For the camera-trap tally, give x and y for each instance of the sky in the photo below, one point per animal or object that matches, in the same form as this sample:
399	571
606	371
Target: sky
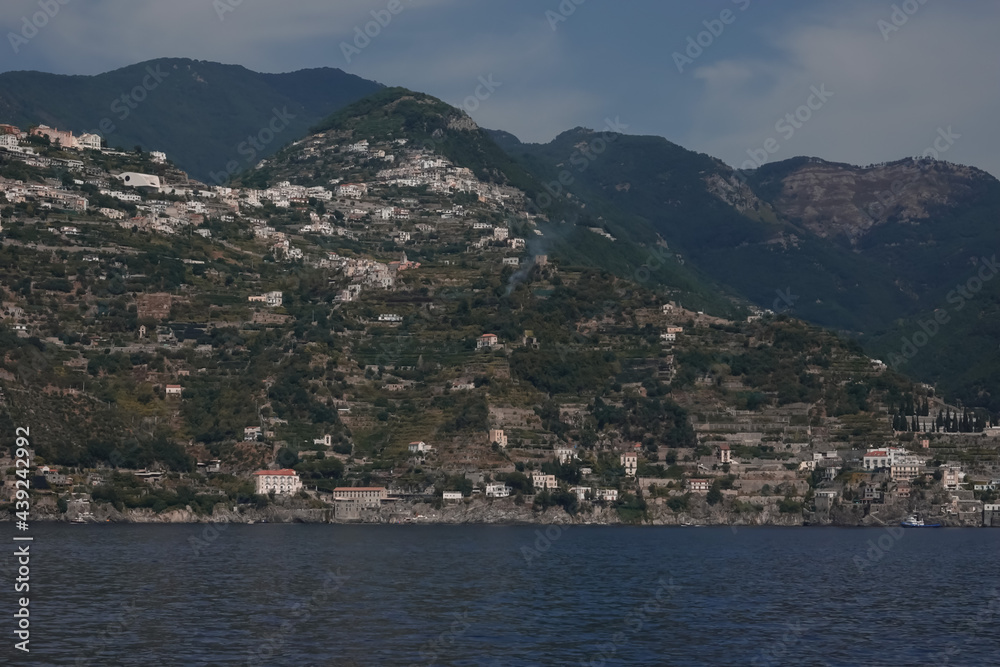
746	81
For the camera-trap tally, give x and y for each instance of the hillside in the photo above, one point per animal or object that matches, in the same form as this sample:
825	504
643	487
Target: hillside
372	307
200	112
865	250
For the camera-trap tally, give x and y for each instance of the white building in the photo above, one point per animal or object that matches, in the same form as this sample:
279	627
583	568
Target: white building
419	447
607	494
451	495
542	481
91	141
282	482
631	462
487	340
137	180
366	496
274	299
499	490
565	454
251	433
878	459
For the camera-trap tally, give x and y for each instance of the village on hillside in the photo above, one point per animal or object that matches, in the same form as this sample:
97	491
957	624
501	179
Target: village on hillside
327	348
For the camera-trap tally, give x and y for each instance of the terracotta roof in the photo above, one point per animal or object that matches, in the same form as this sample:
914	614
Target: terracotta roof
286	471
359	488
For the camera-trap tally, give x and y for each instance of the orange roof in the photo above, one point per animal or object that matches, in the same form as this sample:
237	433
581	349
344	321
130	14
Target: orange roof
878	452
286	471
359	488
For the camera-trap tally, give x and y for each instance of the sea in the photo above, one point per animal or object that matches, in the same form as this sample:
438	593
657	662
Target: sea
308	595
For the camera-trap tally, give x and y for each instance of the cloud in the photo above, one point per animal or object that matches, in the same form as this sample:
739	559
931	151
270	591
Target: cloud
889	96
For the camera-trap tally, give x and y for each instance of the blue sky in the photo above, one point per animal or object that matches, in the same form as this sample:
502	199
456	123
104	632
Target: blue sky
888	91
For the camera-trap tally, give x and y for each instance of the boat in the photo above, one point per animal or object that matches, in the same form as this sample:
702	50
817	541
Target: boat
915	522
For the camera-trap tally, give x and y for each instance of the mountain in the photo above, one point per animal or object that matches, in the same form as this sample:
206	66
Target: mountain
569	230
200	113
866	250
394	278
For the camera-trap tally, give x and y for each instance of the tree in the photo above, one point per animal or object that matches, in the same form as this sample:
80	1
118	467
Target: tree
714	494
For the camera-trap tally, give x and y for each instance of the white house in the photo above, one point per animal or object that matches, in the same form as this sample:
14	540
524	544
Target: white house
565	454
631	462
487	340
498	490
607	494
699	485
877	459
419	447
91	141
274	299
542	481
251	433
282	482
174	390
451	495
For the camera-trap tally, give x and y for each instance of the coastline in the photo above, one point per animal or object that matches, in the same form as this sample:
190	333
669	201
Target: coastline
506	513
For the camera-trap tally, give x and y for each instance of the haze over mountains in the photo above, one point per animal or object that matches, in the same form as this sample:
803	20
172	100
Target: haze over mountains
872	250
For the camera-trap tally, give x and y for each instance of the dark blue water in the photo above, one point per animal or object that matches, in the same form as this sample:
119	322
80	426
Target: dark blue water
468	595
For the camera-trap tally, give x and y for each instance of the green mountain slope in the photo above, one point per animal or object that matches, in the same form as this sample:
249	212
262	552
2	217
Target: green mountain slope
636	252
863	250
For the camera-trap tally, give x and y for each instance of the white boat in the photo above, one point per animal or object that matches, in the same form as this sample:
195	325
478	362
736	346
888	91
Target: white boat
913	521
